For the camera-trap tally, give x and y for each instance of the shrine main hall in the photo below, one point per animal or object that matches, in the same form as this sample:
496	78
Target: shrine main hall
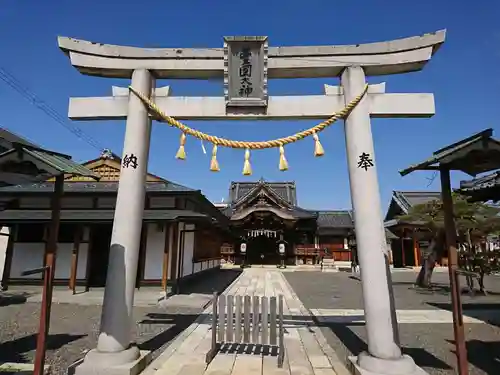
265	214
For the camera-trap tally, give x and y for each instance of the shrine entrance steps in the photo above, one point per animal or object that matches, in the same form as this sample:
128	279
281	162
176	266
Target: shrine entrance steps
306	350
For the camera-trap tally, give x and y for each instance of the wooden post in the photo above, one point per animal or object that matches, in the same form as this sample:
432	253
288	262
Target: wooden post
141	266
89	259
9	255
415	249
403	257
164	276
175	250
48	278
451	243
74	257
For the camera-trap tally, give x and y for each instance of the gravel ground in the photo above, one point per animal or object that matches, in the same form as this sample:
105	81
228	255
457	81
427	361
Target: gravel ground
74	328
431	345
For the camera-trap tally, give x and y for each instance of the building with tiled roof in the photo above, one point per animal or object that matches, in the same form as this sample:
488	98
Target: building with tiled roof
181	236
262	213
484	188
407	250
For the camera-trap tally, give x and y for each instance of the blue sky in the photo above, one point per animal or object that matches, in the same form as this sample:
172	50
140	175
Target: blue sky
463	75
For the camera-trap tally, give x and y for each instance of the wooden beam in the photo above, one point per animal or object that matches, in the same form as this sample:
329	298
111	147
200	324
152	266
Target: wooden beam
164	276
74	257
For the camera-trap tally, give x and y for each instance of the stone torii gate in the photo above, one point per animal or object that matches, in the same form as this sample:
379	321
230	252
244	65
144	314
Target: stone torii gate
352	64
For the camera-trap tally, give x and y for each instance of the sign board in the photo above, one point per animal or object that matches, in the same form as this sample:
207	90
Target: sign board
245	71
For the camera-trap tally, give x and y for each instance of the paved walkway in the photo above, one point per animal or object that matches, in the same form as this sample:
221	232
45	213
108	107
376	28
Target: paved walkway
307	352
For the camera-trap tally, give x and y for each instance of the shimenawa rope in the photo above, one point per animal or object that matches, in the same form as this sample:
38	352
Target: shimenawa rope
275	143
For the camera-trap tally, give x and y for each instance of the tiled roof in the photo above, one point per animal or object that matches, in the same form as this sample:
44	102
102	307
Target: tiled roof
7	139
286	190
408	199
96	187
16	152
402	201
473	155
93	215
335	219
484	189
485	182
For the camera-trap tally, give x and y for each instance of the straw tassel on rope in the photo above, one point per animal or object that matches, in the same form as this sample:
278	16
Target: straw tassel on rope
318	148
214	164
283	162
247	168
181	153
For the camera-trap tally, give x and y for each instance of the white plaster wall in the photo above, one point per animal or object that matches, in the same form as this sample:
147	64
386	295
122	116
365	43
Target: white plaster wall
155	244
27	256
63	260
4	240
187	265
30	255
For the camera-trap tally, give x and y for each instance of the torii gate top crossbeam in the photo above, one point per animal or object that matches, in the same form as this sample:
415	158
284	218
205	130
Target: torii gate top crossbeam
391	57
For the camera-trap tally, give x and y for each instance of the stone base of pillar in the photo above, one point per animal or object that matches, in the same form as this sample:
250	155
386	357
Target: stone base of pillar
129	362
365	364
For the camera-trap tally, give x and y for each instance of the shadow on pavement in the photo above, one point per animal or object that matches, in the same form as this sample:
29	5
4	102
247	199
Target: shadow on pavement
475	310
216	280
178	322
7	299
485	355
354	345
14	350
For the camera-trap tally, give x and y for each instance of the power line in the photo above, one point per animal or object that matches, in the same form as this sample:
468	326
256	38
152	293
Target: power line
41	104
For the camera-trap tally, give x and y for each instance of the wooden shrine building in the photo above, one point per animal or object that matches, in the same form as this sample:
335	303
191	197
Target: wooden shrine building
181	236
263	213
411	243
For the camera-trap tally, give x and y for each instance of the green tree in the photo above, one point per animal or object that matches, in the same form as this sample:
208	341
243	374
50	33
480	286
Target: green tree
474	222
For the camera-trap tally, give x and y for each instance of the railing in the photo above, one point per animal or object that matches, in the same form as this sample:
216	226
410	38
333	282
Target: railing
306	250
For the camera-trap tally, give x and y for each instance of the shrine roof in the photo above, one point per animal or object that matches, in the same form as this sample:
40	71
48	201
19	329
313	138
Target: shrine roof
408	199
92	187
476	154
94	215
285	190
402	201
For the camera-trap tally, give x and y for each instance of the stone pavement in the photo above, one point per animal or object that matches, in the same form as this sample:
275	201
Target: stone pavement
420	316
307	352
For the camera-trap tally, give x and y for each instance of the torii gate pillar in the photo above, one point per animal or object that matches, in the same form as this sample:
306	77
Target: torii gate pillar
384	353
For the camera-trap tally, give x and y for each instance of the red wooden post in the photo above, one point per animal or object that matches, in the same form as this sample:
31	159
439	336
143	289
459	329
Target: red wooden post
48	277
451	243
